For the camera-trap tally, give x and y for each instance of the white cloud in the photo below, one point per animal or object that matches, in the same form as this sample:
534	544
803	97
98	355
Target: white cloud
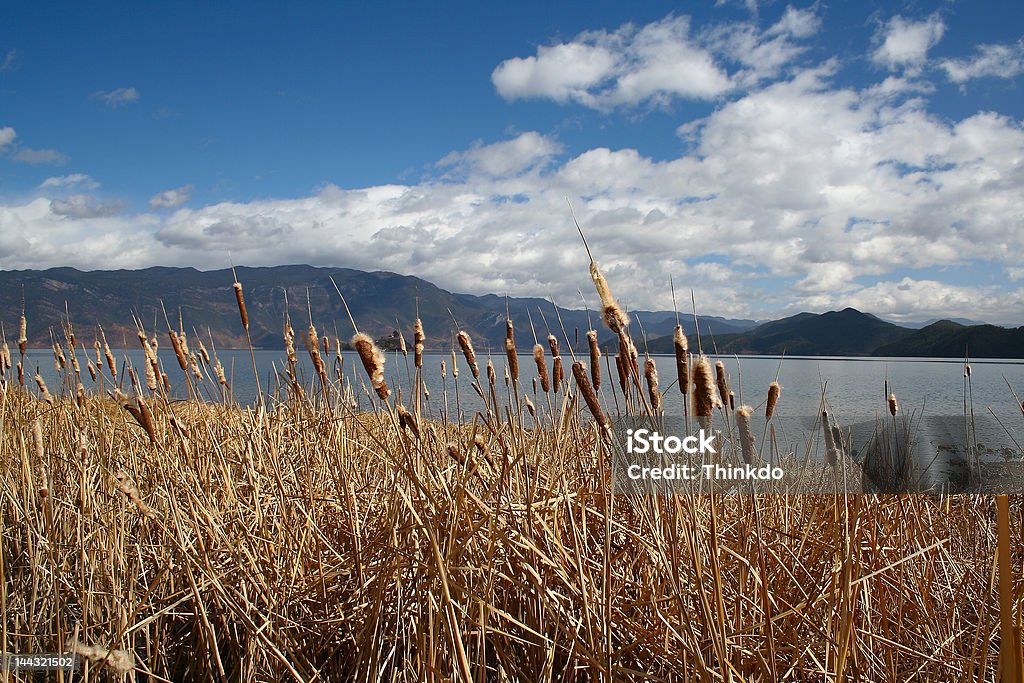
68	181
7	136
798	195
10	61
117	97
655	63
169	199
904	43
997	61
523	153
40	156
83	206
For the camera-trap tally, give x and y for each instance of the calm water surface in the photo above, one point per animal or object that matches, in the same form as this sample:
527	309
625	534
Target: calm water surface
853	386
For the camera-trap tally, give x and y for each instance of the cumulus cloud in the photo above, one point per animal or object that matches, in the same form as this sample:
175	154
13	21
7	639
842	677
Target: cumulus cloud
797	194
27	155
7	136
904	43
117	97
169	199
656	62
996	61
81	206
69	181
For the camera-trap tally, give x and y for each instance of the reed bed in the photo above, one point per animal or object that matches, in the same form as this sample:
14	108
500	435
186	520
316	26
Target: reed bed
304	539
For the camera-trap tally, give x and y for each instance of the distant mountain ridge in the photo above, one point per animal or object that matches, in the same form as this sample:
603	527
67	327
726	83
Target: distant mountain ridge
382	302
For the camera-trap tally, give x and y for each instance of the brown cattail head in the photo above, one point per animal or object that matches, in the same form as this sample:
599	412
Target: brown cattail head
967	369
557	374
150	376
80	395
98	347
720	381
595	359
47	396
373	362
513	358
620	367
529	406
240	298
704	397
466	344
491	376
831	456
894	407
553	344
455	365
91	368
774	391
542	368
327	345
418	338
6	356
406	419
651	374
401	345
444	369
289	343
203	352
59	359
747	449
221	378
179	351
579	373
611	313
22	334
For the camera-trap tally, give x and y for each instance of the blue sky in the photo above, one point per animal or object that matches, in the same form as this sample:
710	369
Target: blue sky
772	157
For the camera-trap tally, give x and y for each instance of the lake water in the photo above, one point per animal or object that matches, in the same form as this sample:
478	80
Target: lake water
853	386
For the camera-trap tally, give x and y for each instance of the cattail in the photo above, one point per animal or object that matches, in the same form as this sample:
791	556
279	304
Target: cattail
142	414
166	381
59	359
183	340
240	298
155	342
510	351
723	387
455	365
444	369
747	451
150	377
579	373
74	361
401	345
37	441
651	374
406	419
967	369
894	407
221	378
6	355
831	456
774	391
203	352
553	344
327	346
80	395
557	374
194	365
179	351
47	396
289	343
99	358
466	344
23	335
732	400
21	374
529	406
542	368
595	359
508	377
120	661
620	367
129	489
491	377
373	362
704	398
417	343
91	368
612	315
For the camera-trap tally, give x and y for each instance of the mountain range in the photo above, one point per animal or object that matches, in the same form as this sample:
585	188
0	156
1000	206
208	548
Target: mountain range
381	302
